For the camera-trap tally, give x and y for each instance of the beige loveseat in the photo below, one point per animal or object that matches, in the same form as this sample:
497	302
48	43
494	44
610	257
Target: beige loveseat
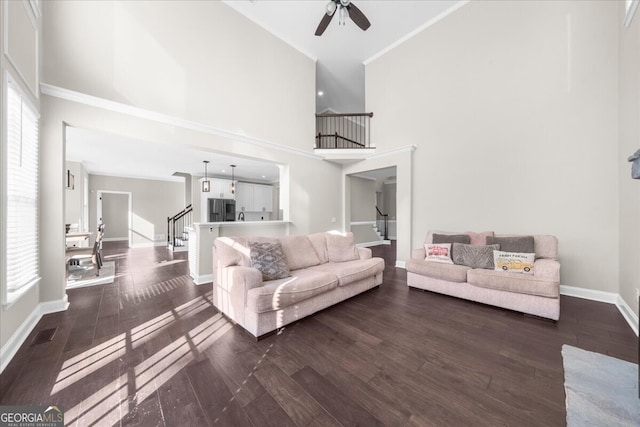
324	269
537	293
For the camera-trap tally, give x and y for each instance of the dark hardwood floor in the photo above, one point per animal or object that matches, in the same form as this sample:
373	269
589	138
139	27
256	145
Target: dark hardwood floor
150	349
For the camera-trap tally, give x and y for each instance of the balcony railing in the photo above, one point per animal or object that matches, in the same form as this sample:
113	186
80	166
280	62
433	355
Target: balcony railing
344	131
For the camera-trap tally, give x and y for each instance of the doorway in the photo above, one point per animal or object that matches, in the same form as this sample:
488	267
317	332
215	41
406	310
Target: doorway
113	208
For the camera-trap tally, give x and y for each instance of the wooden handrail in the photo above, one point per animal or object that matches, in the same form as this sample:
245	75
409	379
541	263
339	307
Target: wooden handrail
344	114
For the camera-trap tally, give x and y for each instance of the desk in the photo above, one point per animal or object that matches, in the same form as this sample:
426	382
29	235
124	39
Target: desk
75	237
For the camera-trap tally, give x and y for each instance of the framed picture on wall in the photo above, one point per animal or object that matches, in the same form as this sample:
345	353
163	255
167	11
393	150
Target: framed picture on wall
71	180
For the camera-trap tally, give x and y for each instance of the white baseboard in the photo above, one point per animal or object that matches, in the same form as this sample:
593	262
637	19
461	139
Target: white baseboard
628	314
401	264
601	296
114	239
202	279
590	294
22	333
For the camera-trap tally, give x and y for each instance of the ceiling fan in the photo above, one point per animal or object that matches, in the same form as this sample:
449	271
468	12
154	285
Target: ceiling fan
344	8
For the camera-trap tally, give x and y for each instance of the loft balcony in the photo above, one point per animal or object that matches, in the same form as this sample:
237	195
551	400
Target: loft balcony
343	138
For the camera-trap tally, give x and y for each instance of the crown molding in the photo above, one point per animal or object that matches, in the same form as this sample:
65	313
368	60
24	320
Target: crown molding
129	110
415	32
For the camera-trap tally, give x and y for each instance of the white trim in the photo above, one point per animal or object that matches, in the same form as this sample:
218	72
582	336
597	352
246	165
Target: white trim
18	338
602	296
401	264
115	239
630	12
418	30
117	107
33	90
590	294
628	314
372	222
202	279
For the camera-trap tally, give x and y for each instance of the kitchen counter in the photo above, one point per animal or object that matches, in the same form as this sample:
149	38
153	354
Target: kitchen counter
202	235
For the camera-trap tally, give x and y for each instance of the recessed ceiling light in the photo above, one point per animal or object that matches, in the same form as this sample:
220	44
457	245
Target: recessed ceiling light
264	176
320	93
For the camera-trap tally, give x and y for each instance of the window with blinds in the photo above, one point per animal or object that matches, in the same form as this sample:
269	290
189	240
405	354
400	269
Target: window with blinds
21	168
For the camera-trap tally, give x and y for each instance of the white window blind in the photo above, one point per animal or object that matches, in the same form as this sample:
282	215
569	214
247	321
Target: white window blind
21	224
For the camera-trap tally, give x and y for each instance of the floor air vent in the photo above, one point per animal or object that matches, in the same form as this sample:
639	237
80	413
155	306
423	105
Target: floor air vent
44	336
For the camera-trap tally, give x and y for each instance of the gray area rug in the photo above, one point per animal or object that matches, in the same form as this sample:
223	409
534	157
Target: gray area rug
84	275
601	390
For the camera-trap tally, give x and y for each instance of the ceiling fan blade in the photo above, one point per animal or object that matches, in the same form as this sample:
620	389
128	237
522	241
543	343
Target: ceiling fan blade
324	23
358	17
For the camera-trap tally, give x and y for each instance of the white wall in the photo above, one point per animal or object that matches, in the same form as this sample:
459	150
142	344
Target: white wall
197	60
115	213
151	203
513	109
363	199
629	190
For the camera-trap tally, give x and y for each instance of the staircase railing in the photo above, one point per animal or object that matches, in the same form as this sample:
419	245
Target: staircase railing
177	227
385	221
343	130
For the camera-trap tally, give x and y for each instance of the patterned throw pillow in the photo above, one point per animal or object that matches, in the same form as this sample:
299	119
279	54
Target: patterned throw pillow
474	256
269	259
514	261
439	253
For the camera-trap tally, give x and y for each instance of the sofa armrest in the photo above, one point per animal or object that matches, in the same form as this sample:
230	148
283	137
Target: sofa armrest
364	253
420	253
231	289
547	269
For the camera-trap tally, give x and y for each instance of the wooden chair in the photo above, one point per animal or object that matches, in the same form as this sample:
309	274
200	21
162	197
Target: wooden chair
76	255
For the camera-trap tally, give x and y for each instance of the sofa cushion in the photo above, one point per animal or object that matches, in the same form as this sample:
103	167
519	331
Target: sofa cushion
301	285
341	248
436	270
298	252
513	282
546	246
349	272
438	252
478	238
514	262
522	244
319	243
450	238
269	260
474	256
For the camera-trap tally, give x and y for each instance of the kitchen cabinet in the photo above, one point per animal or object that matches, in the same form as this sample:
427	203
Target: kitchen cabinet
254	197
221	189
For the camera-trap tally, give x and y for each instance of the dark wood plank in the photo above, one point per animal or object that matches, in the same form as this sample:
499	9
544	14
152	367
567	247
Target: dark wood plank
341	407
150	349
215	398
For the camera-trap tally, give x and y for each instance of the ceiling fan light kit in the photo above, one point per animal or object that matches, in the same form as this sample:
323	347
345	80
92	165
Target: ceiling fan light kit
347	8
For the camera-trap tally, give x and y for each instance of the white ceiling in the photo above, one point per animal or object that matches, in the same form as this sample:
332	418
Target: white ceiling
101	154
342	49
340	53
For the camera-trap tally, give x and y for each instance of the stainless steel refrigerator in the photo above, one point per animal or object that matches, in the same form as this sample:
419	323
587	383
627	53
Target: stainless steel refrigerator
220	210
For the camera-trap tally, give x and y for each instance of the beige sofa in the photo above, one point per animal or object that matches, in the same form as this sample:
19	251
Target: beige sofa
324	268
536	293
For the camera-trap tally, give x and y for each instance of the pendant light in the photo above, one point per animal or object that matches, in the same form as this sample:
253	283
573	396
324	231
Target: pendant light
233	179
206	184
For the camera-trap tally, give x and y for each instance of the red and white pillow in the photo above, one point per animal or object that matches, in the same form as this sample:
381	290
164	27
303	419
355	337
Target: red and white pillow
438	252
